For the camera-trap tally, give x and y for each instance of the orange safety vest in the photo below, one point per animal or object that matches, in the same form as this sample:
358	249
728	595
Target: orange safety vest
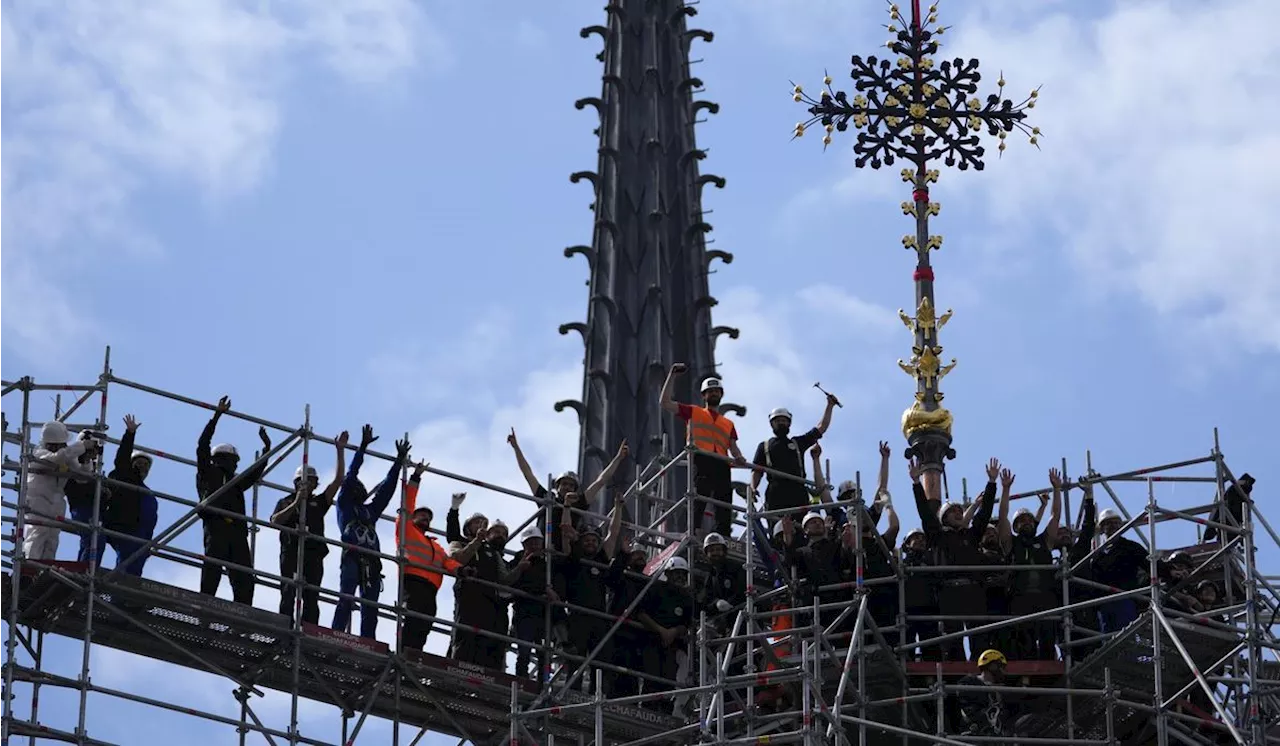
709	431
423	555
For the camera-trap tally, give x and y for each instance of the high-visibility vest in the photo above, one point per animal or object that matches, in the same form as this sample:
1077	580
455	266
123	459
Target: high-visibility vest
423	555
709	432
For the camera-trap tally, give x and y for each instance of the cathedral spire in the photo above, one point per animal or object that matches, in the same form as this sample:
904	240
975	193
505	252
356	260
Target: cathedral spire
649	303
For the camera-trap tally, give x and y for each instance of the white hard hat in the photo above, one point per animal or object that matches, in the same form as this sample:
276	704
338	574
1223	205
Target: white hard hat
530	533
1107	515
144	456
914	533
53	432
846	487
712	383
778	529
811	516
779	412
1020	514
572	475
225	449
676	564
947	507
499	524
714	539
305	471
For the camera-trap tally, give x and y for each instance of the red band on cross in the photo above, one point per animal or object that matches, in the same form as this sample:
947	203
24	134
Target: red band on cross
923	273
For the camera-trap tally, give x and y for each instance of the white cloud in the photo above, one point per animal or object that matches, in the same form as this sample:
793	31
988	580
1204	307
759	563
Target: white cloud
1155	174
101	98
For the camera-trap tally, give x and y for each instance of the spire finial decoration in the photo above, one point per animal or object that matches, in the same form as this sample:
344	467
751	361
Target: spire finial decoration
919	111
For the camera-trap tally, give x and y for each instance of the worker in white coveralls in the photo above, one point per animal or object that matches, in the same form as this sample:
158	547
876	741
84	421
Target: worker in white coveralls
52	464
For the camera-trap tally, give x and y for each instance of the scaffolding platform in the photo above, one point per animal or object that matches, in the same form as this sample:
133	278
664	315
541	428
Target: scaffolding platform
255	648
1131	661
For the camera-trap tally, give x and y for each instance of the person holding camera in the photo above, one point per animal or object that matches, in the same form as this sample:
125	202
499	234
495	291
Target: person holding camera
53	464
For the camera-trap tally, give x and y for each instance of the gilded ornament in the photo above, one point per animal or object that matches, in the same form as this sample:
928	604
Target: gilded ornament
917	419
925	319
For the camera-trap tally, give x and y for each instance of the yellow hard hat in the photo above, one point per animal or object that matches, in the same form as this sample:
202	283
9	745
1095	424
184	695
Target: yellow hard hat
992	656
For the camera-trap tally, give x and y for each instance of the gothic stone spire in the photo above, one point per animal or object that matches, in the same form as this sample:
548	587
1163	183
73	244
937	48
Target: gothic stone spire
649	303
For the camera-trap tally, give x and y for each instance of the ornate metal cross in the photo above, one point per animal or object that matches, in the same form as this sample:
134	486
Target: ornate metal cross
919	112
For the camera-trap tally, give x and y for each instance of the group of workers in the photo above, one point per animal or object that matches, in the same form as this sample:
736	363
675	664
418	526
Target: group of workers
583	588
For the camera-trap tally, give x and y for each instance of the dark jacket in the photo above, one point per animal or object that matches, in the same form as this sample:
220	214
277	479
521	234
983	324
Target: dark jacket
358	513
209	479
956	547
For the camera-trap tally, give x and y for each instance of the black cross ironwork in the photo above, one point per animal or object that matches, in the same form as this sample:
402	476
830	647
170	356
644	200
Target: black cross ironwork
919	112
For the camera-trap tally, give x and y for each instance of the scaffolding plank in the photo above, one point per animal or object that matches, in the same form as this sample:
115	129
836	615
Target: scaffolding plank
258	645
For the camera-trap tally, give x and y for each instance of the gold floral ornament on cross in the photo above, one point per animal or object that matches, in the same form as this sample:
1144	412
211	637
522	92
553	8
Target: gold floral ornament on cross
916	109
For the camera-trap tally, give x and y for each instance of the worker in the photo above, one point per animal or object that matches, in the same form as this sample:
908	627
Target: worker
1032	591
226	533
479	604
668	614
358	516
82	495
52	464
567	487
783	453
723	583
130	510
920	594
583	573
820	563
1123	564
996	582
423	564
980	713
626	580
716	440
1232	505
288	514
529	576
956	544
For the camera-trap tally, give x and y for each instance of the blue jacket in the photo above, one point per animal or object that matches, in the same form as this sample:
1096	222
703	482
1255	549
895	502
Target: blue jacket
358	513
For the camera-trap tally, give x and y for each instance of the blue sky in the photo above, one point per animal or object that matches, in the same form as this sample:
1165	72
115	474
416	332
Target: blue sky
362	206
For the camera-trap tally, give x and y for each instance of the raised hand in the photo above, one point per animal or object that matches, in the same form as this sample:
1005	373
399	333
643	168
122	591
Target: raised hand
1044	499
1006	479
367	437
511	439
623	450
678	368
402	448
455	501
816	450
224	405
265	438
342	439
993	469
1055	478
915	469
131	424
418	469
884	449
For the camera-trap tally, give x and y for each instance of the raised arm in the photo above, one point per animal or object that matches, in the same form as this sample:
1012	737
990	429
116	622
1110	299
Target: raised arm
340	469
1055	512
825	422
890	534
124	453
523	463
387	487
258	469
204	446
665	398
988	498
929	522
1003	529
353	474
1089	519
610	547
594	488
820	478
882	482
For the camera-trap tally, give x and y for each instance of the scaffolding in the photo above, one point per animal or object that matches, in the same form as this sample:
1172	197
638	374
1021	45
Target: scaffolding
830	676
